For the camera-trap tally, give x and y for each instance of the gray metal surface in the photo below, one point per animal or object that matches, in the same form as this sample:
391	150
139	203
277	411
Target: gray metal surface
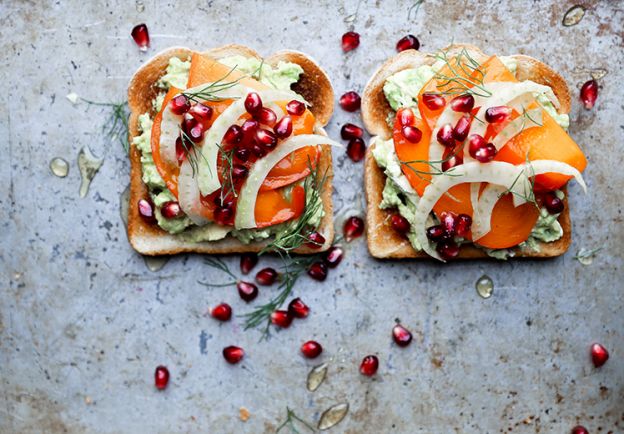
83	322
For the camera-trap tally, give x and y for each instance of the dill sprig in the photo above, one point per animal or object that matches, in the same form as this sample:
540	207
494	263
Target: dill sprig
471	81
414	9
432	164
530	196
210	91
219	264
227	157
192	151
116	126
291	417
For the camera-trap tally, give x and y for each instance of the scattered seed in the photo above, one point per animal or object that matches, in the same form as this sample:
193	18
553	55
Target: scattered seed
598	73
333	415
72	97
59	167
244	414
316	377
573	16
485	286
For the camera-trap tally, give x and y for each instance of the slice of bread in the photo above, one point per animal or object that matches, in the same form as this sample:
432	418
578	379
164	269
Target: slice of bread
313	85
385	242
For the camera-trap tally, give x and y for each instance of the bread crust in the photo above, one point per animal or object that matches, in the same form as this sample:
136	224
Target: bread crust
383	241
149	239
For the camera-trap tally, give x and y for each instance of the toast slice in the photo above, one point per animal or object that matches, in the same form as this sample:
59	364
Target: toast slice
385	242
313	85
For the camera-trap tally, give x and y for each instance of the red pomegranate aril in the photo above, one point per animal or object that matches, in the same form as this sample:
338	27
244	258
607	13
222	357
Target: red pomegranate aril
350	101
495	115
180	150
202	113
281	318
402	336
298	308
258	151
411	134
449	222
480	150
170	209
266	116
222	312
318	271
579	429
295	108
253	103
553	204
447	249
406	117
436	233
283	128
266	276
350	41
351	131
356	149
315	240
433	101
141	36
266	138
247	262
242	154
333	256
233	354
369	366
409	42
239	171
224	216
462	127
161	377
179	104
445	135
589	93
247	290
233	135
353	228
452	161
311	349
400	224
146	210
463	103
463	222
599	355
193	129
248	129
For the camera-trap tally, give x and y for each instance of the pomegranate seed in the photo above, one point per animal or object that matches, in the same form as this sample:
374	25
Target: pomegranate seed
589	93
258	151
233	135
316	240
146	210
353	228
224	216
447	249
445	135
452	161
480	150
318	271
449	222
409	42
170	209
242	154
239	171
311	349
179	104
298	308
579	429
247	290
283	128
222	312
161	377
266	116
351	131
402	336
350	101
495	115
193	129
266	276
281	318
553	204
295	108
400	224
462	225
406	117
599	355
369	366
253	103
333	256
356	149
233	354
248	129
436	233
266	138
462	127
350	41
433	101
202	113
141	36
247	262
180	150
412	134
463	103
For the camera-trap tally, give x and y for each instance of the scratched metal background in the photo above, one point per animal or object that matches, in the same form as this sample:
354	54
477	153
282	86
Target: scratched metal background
83	322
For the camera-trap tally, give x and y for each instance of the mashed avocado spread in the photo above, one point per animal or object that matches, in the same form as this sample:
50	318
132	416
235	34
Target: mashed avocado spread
280	77
401	90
